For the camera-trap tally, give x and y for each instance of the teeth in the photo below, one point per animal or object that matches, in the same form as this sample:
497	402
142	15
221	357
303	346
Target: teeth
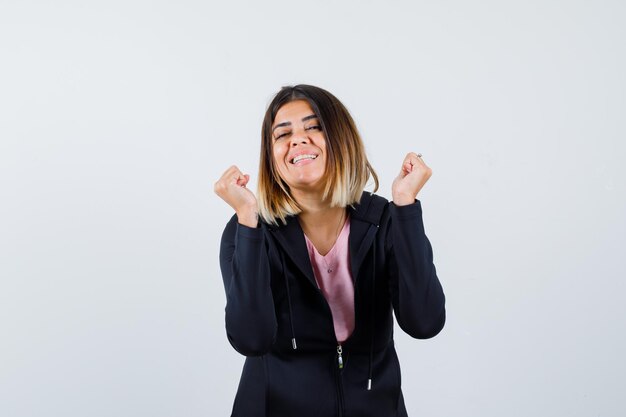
301	157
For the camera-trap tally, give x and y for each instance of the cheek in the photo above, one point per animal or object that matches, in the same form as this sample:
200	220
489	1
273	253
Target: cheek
278	153
321	142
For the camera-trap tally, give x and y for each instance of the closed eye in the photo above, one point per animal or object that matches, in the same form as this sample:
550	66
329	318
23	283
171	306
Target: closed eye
316	127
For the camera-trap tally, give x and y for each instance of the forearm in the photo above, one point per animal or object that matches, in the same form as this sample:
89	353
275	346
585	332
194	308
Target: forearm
250	317
418	297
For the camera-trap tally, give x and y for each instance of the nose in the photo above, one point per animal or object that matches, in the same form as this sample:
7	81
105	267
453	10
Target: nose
300	139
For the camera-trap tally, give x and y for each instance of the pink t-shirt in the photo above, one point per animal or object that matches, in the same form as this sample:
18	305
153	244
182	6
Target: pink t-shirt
334	279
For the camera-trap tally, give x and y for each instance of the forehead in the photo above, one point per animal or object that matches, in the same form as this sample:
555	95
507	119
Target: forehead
293	112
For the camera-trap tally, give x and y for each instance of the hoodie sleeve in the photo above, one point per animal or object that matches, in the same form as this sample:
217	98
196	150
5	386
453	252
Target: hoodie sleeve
417	296
250	317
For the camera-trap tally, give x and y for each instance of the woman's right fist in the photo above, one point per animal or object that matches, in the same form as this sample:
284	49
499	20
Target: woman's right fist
231	187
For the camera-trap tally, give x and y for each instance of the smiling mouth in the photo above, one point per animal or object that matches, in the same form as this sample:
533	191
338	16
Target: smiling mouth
303	157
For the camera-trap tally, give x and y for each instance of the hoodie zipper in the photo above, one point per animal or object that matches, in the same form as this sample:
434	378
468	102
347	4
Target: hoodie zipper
338	373
339	356
340	361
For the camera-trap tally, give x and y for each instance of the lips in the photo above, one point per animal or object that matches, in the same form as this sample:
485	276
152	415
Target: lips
301	157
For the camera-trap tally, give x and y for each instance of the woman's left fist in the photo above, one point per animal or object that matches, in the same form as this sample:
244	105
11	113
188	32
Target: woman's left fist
410	180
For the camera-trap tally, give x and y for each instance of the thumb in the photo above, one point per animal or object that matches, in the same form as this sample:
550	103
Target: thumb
407	168
243	180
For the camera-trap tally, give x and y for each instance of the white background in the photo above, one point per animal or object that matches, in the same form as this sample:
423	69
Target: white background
117	117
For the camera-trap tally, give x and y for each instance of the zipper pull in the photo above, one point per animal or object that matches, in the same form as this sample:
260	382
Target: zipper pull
339	357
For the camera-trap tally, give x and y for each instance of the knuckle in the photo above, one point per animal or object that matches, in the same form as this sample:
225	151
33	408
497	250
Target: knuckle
219	186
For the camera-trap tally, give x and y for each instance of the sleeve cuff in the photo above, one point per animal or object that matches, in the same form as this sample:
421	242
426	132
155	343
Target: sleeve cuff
406	212
255	233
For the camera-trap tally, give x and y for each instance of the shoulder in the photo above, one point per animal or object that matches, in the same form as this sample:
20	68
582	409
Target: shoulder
371	208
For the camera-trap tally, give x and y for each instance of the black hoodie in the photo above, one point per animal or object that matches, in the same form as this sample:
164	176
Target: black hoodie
279	319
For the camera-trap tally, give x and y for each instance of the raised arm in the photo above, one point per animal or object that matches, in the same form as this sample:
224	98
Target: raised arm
417	295
250	317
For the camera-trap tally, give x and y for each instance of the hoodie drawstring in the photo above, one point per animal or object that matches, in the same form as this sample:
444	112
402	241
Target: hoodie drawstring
372	319
293	333
372	313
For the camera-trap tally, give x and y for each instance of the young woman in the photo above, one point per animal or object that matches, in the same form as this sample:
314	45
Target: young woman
314	266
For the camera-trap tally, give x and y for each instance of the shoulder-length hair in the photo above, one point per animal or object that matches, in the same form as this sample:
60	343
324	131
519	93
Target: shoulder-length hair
347	168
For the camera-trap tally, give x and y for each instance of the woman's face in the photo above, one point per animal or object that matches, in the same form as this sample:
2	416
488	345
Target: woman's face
299	146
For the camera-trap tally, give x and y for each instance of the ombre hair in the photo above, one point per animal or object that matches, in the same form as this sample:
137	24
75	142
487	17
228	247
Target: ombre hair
347	168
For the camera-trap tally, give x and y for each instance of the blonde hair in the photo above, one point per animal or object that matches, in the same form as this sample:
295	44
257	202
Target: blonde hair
347	167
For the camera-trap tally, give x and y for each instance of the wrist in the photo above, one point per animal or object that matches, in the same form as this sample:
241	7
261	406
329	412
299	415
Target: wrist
403	199
248	217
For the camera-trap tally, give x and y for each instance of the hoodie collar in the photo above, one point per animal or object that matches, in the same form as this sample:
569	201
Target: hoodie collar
364	221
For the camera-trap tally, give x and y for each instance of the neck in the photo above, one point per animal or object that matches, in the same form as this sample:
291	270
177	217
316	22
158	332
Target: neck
317	216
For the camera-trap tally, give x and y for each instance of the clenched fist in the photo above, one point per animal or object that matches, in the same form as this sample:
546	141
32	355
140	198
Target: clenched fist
410	180
231	187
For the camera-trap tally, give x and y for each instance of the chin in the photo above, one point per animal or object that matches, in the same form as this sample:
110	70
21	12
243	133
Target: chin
308	184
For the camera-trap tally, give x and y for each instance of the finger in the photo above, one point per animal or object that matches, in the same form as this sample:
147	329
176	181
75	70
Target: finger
243	180
230	177
234	176
417	159
423	167
230	173
410	160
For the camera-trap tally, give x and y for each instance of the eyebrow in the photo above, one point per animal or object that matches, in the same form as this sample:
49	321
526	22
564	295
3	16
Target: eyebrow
304	119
